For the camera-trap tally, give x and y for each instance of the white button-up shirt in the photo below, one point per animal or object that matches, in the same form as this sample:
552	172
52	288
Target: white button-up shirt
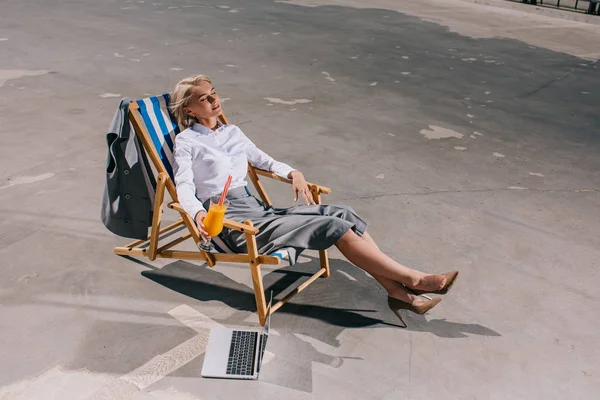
203	159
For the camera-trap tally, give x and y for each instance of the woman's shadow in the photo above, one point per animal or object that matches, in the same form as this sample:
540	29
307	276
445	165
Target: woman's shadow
308	327
348	299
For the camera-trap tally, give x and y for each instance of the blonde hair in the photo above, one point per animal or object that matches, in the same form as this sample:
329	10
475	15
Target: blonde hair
180	97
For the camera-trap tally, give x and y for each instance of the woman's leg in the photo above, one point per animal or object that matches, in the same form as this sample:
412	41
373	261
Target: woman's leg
398	291
364	253
394	289
369	239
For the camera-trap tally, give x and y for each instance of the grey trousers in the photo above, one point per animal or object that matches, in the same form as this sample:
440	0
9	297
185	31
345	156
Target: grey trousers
315	227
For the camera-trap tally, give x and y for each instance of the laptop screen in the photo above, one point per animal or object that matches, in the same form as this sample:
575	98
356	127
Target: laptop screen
268	324
265	335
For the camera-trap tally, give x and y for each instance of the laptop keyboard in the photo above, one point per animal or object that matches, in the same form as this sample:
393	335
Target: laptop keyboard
241	353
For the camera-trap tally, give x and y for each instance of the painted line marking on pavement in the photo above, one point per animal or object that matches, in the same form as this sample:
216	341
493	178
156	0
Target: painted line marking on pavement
163	364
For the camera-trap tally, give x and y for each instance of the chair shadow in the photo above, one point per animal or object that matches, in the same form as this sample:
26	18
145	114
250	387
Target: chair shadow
310	326
205	285
348	299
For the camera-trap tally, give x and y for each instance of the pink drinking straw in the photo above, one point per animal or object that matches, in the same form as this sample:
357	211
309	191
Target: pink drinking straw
225	189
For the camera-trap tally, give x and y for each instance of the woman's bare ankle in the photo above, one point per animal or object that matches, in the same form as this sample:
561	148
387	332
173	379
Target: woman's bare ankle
416	280
400	293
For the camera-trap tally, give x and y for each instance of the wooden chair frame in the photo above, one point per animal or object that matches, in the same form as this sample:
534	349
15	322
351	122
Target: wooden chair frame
150	247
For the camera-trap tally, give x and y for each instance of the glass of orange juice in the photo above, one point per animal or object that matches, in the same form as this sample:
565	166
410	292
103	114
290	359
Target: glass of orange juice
213	222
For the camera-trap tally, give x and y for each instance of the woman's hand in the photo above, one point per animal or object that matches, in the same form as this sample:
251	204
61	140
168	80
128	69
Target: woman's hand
200	223
300	187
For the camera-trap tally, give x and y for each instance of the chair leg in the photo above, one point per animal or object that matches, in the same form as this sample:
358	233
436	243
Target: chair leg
259	290
157	214
324	259
259	293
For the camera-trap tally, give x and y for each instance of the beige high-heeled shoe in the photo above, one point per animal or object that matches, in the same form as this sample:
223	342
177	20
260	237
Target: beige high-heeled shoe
420	309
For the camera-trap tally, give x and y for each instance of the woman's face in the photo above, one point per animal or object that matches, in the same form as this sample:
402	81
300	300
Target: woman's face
204	103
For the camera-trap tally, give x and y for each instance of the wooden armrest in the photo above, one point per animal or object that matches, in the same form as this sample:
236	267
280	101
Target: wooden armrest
176	206
227	223
320	189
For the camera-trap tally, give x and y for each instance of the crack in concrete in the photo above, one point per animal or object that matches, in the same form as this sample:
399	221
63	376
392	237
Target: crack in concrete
547	84
551	81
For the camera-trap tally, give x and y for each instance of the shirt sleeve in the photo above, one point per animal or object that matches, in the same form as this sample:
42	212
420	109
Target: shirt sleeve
184	179
262	160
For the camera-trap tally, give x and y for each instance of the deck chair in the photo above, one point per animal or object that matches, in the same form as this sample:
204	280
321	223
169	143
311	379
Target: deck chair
156	129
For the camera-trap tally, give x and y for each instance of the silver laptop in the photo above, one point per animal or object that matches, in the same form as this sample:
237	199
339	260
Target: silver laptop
235	353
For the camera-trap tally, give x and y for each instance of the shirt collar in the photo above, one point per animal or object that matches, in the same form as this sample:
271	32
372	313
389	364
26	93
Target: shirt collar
203	129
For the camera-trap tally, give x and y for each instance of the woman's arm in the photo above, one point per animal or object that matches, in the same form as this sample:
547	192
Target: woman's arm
262	160
299	186
184	179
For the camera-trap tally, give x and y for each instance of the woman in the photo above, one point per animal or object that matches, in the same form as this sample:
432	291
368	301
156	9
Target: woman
206	152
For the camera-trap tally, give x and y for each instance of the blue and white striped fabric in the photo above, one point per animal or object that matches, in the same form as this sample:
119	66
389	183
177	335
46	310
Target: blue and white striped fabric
162	127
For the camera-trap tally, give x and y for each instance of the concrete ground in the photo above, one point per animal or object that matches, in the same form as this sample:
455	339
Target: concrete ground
466	135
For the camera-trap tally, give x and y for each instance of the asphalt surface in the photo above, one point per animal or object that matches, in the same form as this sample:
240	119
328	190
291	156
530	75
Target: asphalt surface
466	135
